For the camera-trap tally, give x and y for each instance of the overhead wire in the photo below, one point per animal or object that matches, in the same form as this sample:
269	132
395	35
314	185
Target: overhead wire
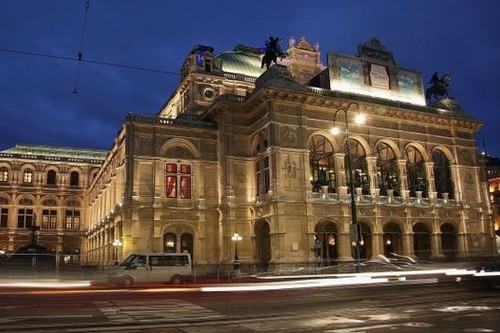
80	50
89	61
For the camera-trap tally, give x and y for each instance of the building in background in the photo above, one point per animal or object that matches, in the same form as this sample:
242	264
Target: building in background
45	186
238	149
493	176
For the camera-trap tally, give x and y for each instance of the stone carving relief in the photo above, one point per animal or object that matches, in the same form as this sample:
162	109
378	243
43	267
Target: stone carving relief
288	134
290	168
50	202
466	158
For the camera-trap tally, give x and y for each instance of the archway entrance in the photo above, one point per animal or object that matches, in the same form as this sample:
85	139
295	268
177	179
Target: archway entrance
449	241
365	245
422	241
187	243
175	243
262	245
392	239
325	242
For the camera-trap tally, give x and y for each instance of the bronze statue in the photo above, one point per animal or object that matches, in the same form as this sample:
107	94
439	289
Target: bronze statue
273	51
439	86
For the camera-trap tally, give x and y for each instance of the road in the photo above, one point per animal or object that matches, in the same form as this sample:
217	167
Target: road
428	307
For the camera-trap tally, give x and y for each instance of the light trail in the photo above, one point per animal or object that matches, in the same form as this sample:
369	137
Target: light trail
445	271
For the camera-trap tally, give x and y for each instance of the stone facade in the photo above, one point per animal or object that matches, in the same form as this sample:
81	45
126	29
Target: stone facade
247	142
46	186
239	150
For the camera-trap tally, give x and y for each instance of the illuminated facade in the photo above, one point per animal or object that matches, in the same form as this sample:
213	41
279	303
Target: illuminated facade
45	186
237	149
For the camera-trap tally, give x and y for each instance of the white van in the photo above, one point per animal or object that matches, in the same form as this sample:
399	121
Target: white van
152	267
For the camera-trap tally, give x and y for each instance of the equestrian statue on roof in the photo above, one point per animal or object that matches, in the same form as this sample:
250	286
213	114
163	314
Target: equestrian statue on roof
272	52
439	86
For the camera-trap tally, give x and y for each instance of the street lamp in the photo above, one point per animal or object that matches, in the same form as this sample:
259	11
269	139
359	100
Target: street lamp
116	244
359	119
236	238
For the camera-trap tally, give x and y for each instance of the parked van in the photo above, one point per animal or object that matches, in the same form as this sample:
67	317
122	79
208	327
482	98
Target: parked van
152	267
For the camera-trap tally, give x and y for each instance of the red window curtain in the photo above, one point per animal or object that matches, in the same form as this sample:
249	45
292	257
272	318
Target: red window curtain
185	187
171	186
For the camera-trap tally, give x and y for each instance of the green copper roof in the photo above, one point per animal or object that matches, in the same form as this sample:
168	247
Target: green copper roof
60	152
240	63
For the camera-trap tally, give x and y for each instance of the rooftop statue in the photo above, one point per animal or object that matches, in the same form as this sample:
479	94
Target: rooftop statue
273	51
439	86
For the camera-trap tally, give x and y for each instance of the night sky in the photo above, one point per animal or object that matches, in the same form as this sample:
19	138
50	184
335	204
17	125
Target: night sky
37	105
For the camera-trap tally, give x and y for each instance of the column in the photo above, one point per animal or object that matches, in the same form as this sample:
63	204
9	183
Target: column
377	244
431	188
345	253
436	249
372	174
340	174
403	179
408	249
462	245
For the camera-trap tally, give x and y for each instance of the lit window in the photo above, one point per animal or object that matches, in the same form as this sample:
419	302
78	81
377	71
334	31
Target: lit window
49	219
72	219
262	168
178	174
4	174
28	176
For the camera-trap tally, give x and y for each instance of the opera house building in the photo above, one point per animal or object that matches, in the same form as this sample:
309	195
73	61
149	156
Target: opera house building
245	156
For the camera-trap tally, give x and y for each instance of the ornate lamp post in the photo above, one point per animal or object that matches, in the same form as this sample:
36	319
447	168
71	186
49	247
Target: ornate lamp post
236	238
358	119
116	244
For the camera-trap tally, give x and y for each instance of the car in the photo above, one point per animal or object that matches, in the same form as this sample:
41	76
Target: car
152	268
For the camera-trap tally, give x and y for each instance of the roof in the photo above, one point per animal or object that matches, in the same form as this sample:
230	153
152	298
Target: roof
55	153
240	63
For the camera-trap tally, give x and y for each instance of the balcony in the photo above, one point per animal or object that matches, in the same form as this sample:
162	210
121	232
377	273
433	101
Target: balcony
382	200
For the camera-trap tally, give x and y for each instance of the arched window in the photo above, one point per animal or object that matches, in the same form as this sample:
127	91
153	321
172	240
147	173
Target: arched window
74	179
322	165
262	168
415	168
442	174
387	169
359	166
4	174
170	243
51	177
28	176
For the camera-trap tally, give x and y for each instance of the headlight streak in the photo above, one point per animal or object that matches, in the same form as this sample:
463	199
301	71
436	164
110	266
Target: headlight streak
449	271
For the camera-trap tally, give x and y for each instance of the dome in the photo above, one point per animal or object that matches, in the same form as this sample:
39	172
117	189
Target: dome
240	63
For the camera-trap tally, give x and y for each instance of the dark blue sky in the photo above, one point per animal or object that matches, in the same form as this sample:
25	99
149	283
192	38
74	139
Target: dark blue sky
459	37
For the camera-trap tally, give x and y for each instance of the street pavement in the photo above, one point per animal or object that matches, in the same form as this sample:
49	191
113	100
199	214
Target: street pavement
424	306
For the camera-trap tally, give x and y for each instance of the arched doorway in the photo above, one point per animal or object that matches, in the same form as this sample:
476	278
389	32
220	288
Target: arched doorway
325	242
170	242
365	245
262	244
392	239
187	243
422	241
359	165
449	240
322	165
415	169
442	174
